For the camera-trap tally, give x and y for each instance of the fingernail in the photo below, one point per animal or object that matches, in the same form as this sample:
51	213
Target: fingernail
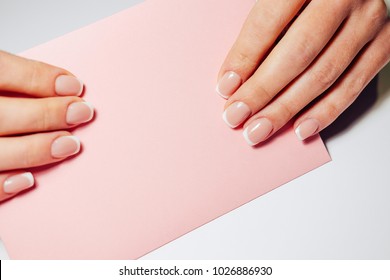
307	128
65	146
228	84
258	131
68	85
79	112
236	113
17	183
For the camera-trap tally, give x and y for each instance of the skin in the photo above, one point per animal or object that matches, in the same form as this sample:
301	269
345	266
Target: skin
291	52
287	54
29	125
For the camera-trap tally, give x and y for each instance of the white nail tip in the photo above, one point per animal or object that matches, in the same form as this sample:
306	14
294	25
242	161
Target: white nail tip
220	94
224	117
10	188
30	178
246	137
90	106
77	141
81	88
298	133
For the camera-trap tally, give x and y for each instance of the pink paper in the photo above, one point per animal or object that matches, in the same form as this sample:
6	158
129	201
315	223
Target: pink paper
158	161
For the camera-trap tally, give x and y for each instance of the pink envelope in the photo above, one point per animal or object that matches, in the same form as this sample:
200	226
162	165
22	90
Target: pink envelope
158	161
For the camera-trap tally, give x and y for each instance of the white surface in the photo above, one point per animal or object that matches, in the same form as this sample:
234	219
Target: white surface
339	211
3	252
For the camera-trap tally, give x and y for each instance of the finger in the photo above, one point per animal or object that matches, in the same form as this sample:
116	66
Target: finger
319	76
341	96
264	24
13	183
43	114
35	78
305	39
37	149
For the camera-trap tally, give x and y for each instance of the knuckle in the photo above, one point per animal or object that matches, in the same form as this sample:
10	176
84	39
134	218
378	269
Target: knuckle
3	117
244	61
52	112
332	111
4	68
270	13
376	13
46	120
305	51
354	87
341	5
286	111
326	75
30	153
34	74
261	94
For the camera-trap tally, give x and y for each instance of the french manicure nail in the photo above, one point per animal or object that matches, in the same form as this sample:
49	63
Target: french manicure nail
68	85
307	128
79	112
228	84
236	113
65	146
258	131
17	183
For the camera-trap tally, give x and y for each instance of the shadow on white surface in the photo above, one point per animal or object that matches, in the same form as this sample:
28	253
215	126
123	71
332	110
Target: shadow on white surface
3	252
372	96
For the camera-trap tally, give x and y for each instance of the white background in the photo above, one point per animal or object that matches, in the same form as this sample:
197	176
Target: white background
339	211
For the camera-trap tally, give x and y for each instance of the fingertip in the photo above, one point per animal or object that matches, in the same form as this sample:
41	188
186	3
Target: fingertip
236	114
65	146
228	84
307	128
67	85
18	182
245	134
79	112
258	131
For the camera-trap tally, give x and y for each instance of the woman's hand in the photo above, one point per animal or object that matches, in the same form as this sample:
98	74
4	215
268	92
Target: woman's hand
291	53
31	129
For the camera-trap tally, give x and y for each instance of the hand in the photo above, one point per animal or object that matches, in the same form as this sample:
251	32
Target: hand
311	58
31	128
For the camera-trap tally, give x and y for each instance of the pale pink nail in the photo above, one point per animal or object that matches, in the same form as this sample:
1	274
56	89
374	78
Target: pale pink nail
68	85
65	146
79	112
236	113
17	183
307	128
228	84
258	131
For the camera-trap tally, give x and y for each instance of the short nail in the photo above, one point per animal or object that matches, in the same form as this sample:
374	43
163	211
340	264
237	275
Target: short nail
228	84
258	131
307	128
79	112
236	113
68	85
65	146
17	183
